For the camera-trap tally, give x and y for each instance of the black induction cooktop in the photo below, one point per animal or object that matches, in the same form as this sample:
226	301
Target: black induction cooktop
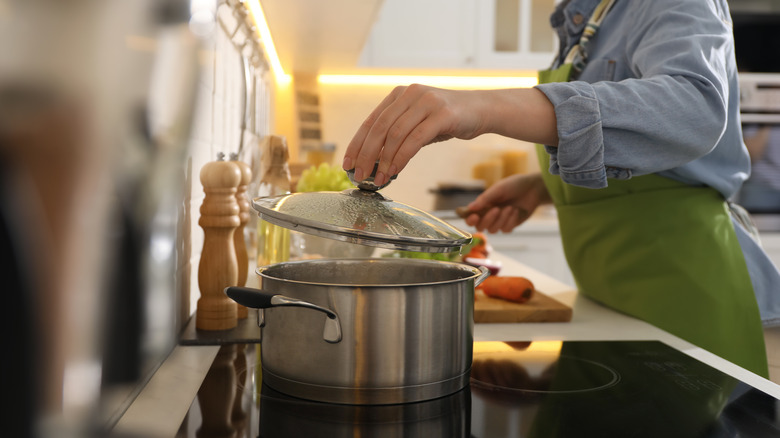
518	389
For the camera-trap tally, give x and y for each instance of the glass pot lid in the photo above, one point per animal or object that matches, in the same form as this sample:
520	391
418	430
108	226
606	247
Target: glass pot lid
364	217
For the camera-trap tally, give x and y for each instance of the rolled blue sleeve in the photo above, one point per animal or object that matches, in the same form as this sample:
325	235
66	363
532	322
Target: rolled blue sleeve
579	158
653	98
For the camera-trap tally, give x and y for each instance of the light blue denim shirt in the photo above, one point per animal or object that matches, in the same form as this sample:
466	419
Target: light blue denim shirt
659	94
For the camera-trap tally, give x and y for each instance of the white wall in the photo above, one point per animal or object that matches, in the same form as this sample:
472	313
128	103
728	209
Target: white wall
217	122
343	109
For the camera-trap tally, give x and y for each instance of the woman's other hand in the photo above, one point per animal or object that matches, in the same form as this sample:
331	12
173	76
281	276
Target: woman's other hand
508	203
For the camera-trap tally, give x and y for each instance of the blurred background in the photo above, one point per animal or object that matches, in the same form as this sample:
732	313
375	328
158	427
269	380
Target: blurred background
110	108
98	142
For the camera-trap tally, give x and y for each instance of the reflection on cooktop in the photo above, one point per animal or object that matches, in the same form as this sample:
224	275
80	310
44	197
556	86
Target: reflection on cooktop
521	370
518	389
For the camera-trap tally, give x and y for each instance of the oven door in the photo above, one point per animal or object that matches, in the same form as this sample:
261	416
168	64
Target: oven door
760	113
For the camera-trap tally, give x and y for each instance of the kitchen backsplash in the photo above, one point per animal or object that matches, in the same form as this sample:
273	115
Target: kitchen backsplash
217	121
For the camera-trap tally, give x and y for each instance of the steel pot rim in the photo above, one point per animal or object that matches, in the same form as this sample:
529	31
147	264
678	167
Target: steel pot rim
477	273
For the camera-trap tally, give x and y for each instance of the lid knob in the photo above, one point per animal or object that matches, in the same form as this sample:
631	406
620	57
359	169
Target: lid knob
368	182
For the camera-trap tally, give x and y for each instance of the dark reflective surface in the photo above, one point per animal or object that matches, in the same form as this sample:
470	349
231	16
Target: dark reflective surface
518	389
284	416
612	389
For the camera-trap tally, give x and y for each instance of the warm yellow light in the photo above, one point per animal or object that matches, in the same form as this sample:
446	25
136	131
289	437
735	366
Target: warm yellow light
490	82
546	346
483	347
256	11
491	347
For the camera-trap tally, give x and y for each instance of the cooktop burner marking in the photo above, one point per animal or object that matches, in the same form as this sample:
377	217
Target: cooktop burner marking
608	377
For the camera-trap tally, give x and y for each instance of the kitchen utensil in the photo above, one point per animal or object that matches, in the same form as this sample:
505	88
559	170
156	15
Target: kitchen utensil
364	217
464	212
540	308
365	331
359	330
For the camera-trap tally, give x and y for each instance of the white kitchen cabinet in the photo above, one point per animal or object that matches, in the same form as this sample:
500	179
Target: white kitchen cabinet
462	34
514	34
428	34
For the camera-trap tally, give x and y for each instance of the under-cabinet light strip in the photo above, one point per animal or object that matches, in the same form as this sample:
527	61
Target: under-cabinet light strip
256	11
491	82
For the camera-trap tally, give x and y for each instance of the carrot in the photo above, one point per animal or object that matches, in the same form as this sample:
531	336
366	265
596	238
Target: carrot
476	253
480	243
478	248
515	289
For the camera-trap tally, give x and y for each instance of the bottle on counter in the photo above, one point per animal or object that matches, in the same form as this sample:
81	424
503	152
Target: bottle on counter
273	241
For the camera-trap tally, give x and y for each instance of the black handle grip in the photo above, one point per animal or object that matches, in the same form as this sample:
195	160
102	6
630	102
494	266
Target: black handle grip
249	297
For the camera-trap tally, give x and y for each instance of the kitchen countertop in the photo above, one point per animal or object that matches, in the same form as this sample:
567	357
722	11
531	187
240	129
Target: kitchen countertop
592	321
766	222
162	405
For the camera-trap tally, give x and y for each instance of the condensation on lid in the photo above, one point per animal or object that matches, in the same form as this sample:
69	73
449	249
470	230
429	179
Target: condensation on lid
362	217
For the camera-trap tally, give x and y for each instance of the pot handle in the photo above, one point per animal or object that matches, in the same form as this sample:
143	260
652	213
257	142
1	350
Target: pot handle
485	274
261	299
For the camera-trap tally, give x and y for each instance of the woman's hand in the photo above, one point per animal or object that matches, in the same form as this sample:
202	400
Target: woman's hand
508	203
415	116
405	121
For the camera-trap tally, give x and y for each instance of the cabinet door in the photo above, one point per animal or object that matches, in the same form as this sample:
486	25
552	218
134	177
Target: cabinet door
422	34
515	34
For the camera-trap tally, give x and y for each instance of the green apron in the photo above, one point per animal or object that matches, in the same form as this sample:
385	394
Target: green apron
661	251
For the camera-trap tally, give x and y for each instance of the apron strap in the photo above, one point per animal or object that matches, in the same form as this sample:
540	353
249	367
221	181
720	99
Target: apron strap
743	217
578	55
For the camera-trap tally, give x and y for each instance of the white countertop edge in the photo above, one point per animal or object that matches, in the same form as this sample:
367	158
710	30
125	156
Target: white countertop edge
162	405
592	321
733	370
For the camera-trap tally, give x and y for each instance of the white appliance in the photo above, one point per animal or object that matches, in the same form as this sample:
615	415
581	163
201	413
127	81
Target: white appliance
760	97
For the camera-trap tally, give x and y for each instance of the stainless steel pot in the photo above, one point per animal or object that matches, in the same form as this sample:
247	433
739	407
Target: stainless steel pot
365	331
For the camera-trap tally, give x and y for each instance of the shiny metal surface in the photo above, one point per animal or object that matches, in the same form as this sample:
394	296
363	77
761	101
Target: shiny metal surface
281	416
368	182
362	217
332	331
407	329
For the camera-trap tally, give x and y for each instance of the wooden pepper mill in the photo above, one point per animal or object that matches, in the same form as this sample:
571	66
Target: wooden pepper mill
242	256
218	267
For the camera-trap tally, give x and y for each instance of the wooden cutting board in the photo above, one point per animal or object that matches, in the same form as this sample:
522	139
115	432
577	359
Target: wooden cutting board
540	308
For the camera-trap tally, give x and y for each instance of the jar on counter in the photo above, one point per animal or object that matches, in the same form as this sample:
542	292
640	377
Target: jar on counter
273	241
318	153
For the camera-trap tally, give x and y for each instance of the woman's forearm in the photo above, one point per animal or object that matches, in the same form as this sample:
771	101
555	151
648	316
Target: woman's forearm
523	114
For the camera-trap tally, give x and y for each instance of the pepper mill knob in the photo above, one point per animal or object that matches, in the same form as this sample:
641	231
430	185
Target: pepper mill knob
218	266
244	207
